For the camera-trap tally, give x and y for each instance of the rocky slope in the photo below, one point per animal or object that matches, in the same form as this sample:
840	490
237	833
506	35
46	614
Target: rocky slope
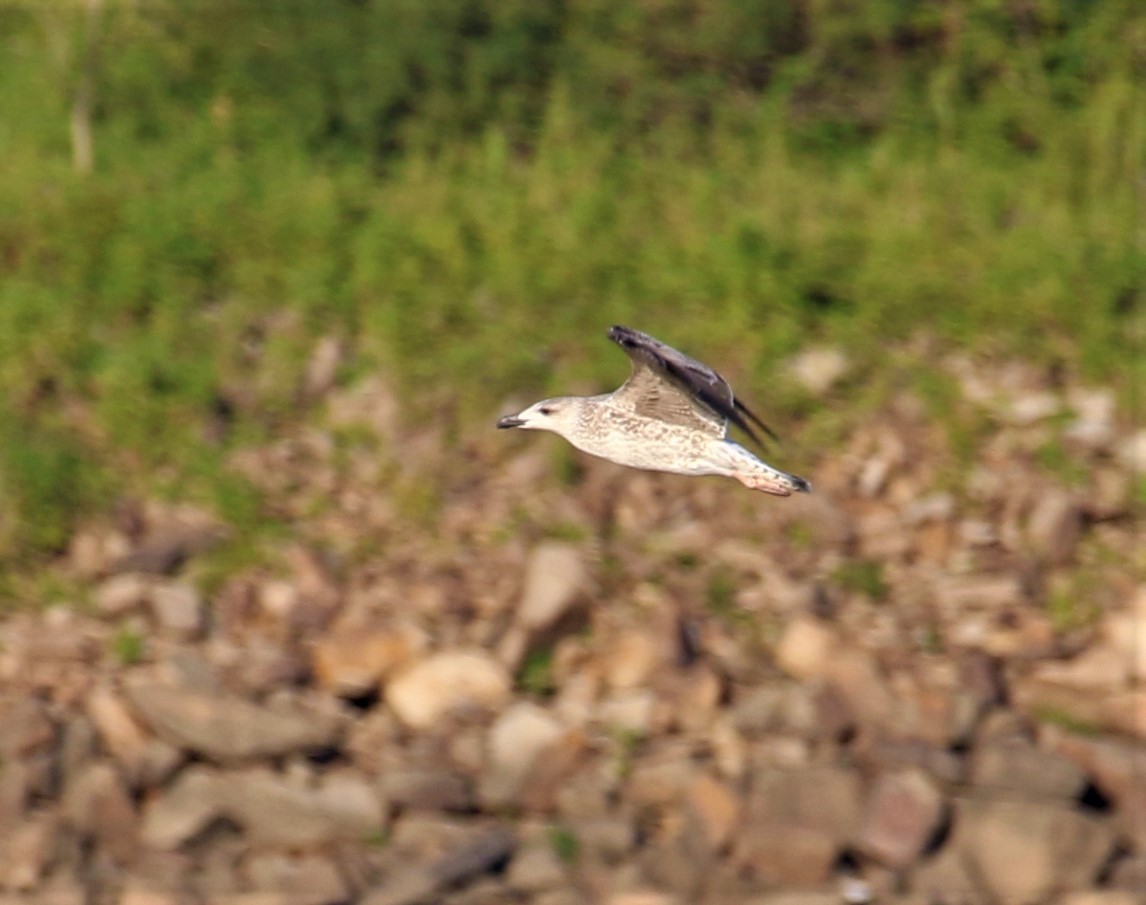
468	684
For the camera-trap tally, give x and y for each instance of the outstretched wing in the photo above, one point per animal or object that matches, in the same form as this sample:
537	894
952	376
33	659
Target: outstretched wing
668	385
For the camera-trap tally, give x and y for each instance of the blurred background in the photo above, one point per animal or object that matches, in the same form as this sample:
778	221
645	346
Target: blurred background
269	272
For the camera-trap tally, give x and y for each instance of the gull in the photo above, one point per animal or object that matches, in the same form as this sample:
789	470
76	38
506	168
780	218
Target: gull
672	414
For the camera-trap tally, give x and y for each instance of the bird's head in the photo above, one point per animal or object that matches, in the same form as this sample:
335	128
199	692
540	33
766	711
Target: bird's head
559	415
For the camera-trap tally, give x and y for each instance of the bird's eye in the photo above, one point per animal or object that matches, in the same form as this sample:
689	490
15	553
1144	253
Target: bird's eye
546	410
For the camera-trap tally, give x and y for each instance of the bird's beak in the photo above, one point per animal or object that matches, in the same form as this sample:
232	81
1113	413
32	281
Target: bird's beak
509	421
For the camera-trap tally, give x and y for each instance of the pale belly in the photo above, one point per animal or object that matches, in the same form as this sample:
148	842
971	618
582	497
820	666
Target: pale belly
638	442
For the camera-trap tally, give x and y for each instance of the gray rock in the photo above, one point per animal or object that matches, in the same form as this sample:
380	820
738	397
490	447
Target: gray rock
945	879
226	728
1055	526
517	738
144	759
536	868
555	576
429	789
24	727
98	806
904	811
420	884
303	880
1026	851
275	811
27	852
797	824
121	594
555	583
605	839
492	848
182	810
818	369
178	609
15	788
1116	767
1017	768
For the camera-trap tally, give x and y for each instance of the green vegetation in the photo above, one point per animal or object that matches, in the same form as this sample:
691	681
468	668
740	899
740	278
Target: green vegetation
128	646
1056	716
469	193
536	673
863	576
565	844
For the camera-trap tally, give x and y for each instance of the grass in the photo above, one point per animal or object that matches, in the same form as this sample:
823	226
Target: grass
128	647
862	576
565	844
536	674
471	232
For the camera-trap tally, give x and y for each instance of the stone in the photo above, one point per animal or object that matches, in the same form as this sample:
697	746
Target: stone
427	789
121	594
144	759
631	660
322	367
224	727
605	839
24	727
1018	768
712	812
1131	452
806	648
1116	767
630	711
490	849
1125	634
27	851
178	609
945	878
426	692
856	677
183	809
276	811
15	789
352	664
642	897
135	893
302	880
904	811
1034	406
98	806
1101	897
1055	526
1025	851
818	369
797	824
517	738
550	772
556	579
536	868
659	778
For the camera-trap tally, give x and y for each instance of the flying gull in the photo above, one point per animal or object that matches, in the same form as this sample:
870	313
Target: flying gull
672	414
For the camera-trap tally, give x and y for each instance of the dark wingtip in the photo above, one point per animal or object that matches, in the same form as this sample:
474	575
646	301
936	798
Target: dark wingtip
803	485
620	335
